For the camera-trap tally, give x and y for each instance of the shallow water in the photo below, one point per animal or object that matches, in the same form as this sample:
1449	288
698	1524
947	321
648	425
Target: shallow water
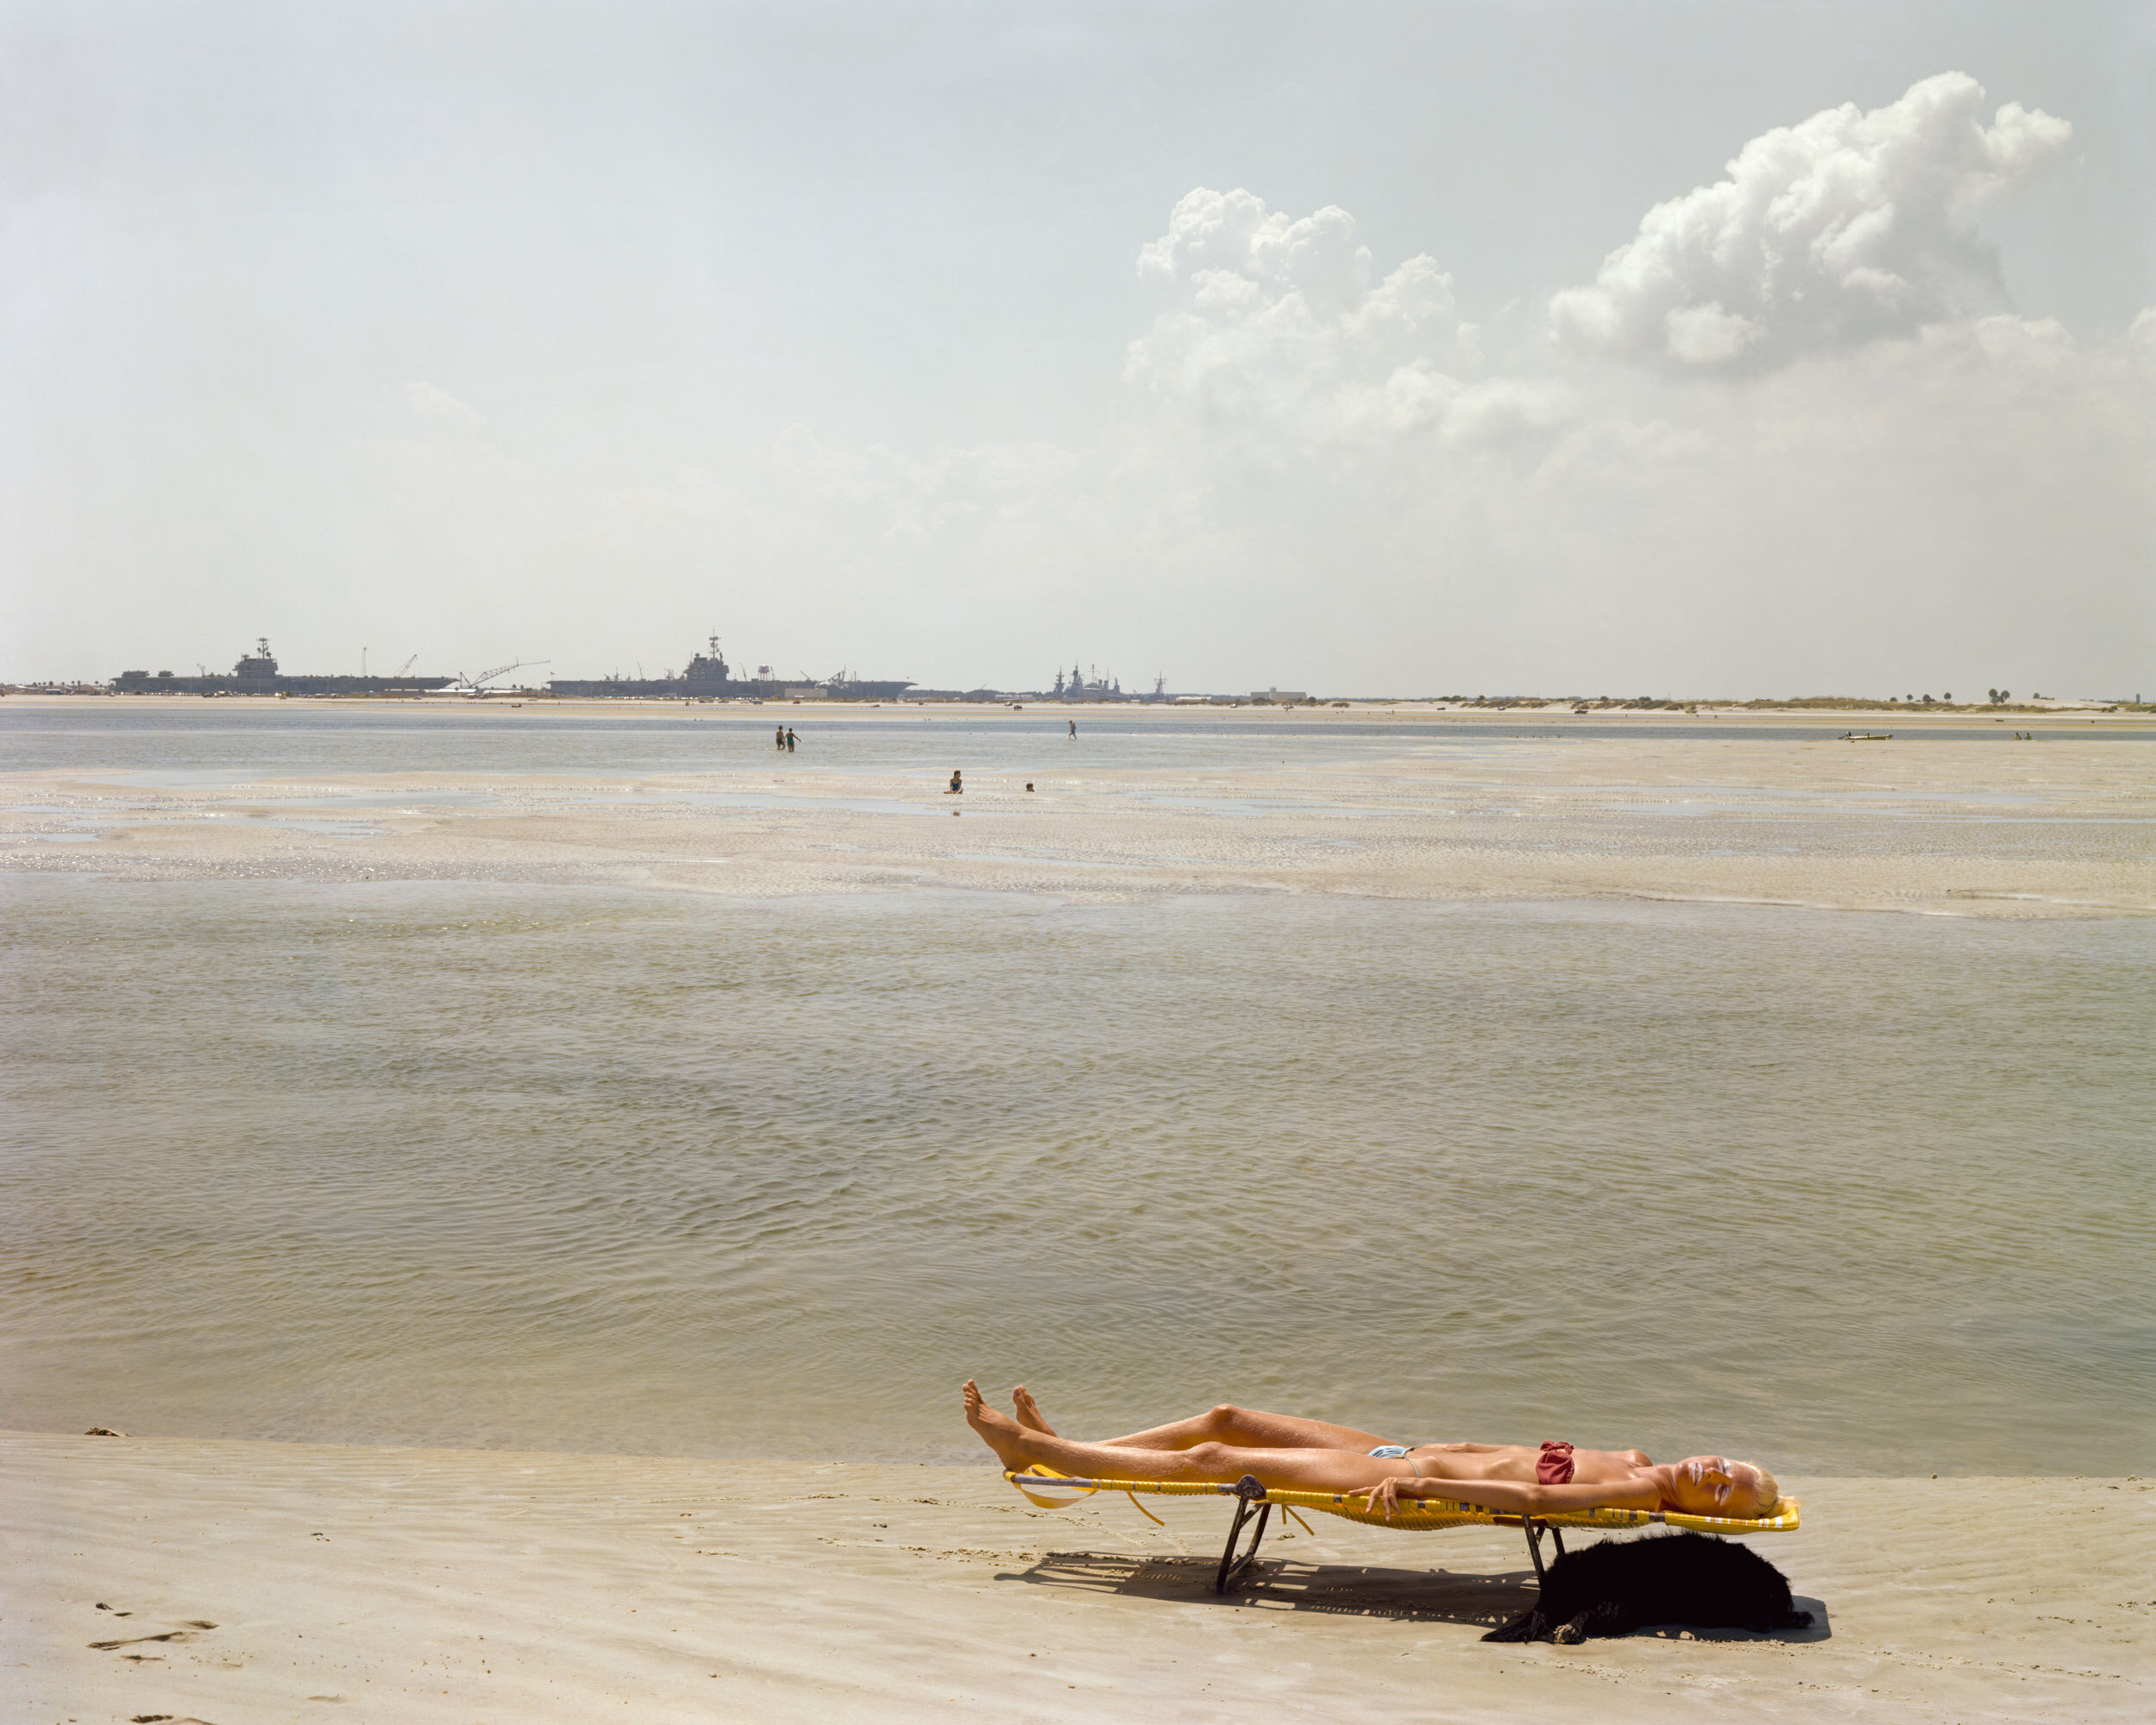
233	742
585	1169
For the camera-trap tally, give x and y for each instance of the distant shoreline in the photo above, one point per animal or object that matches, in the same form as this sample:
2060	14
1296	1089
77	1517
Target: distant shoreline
1833	718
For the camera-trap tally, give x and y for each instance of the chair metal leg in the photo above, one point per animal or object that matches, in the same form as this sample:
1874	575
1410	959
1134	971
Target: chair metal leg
1535	1530
1247	1492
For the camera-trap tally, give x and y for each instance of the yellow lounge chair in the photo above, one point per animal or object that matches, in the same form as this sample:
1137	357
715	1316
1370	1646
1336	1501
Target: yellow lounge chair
1052	1490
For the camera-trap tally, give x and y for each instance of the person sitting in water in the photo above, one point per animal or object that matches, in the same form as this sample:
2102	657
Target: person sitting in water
1313	1455
956	787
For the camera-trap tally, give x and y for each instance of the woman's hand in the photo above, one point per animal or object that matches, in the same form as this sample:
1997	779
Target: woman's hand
1385	1494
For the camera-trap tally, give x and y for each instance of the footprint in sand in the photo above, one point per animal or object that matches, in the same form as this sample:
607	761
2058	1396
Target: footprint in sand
186	1633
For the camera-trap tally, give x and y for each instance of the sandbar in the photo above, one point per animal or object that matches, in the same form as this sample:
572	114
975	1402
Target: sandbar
1974	828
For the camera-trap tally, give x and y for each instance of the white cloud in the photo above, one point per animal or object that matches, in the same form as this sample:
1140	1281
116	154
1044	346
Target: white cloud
1848	228
1828	455
431	401
1322	459
1706	334
1281	326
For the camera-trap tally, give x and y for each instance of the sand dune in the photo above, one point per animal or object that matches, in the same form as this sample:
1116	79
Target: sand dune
234	1581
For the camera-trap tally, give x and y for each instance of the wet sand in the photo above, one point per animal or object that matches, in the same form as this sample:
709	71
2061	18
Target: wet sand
2056	828
265	1581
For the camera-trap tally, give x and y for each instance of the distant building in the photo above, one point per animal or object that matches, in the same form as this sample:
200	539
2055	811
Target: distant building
1280	697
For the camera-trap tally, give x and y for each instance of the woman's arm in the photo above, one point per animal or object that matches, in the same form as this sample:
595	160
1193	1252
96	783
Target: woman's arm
1511	1497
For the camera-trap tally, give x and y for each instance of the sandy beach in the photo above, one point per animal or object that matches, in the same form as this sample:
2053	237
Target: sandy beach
272	1582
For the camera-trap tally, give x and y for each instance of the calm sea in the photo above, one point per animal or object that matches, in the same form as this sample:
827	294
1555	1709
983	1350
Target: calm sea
582	1168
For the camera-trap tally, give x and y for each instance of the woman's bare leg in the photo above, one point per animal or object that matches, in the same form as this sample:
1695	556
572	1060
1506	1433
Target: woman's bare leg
1249	1428
1246	1428
1296	1467
1029	1411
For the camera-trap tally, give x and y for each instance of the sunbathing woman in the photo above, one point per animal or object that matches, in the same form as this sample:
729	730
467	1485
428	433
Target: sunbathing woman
1312	1455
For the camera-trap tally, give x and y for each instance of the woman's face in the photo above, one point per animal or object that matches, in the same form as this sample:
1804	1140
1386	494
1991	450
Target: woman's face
1713	1485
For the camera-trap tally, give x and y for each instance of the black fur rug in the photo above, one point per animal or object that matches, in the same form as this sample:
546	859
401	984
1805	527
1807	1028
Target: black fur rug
1620	1585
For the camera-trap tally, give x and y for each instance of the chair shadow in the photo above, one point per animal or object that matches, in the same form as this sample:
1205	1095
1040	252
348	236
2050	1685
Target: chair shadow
1344	1590
1480	1602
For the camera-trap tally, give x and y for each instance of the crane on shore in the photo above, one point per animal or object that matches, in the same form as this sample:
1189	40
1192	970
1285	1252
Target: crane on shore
475	688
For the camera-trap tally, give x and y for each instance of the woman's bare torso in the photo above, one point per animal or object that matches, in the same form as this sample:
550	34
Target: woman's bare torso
1517	1462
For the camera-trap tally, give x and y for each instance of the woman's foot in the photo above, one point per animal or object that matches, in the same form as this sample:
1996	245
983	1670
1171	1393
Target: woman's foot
1029	1414
999	1432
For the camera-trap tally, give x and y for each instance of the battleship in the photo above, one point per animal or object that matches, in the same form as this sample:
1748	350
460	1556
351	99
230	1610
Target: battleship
1078	687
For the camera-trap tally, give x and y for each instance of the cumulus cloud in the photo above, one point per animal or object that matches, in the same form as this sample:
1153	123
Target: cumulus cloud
1321	460
1279	321
1830	456
1848	228
431	401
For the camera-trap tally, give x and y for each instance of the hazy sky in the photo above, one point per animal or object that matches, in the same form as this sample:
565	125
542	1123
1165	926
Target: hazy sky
1601	348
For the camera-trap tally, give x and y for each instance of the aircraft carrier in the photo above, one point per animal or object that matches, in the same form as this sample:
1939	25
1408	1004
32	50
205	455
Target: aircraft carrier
707	678
257	674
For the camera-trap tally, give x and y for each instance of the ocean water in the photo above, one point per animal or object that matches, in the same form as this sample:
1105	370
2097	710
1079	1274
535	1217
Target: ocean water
583	1169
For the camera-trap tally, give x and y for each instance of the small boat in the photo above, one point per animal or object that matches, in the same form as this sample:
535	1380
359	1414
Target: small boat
1867	736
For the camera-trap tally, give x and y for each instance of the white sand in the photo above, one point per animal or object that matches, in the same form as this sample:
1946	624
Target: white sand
473	1585
2056	828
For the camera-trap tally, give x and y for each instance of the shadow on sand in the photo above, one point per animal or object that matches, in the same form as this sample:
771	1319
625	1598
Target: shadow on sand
1350	1589
1479	1602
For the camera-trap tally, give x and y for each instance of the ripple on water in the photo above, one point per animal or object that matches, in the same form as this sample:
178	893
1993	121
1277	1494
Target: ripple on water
595	1169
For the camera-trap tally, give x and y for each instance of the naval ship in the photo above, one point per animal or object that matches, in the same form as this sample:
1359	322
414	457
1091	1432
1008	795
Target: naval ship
707	678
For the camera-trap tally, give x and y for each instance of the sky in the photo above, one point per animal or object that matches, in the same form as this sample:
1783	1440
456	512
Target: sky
1714	349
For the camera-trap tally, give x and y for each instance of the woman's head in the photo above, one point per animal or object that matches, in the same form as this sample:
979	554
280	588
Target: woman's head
1714	1485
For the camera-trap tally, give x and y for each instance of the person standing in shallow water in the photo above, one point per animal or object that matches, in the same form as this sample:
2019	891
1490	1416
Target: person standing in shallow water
778	737
1074	727
790	739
